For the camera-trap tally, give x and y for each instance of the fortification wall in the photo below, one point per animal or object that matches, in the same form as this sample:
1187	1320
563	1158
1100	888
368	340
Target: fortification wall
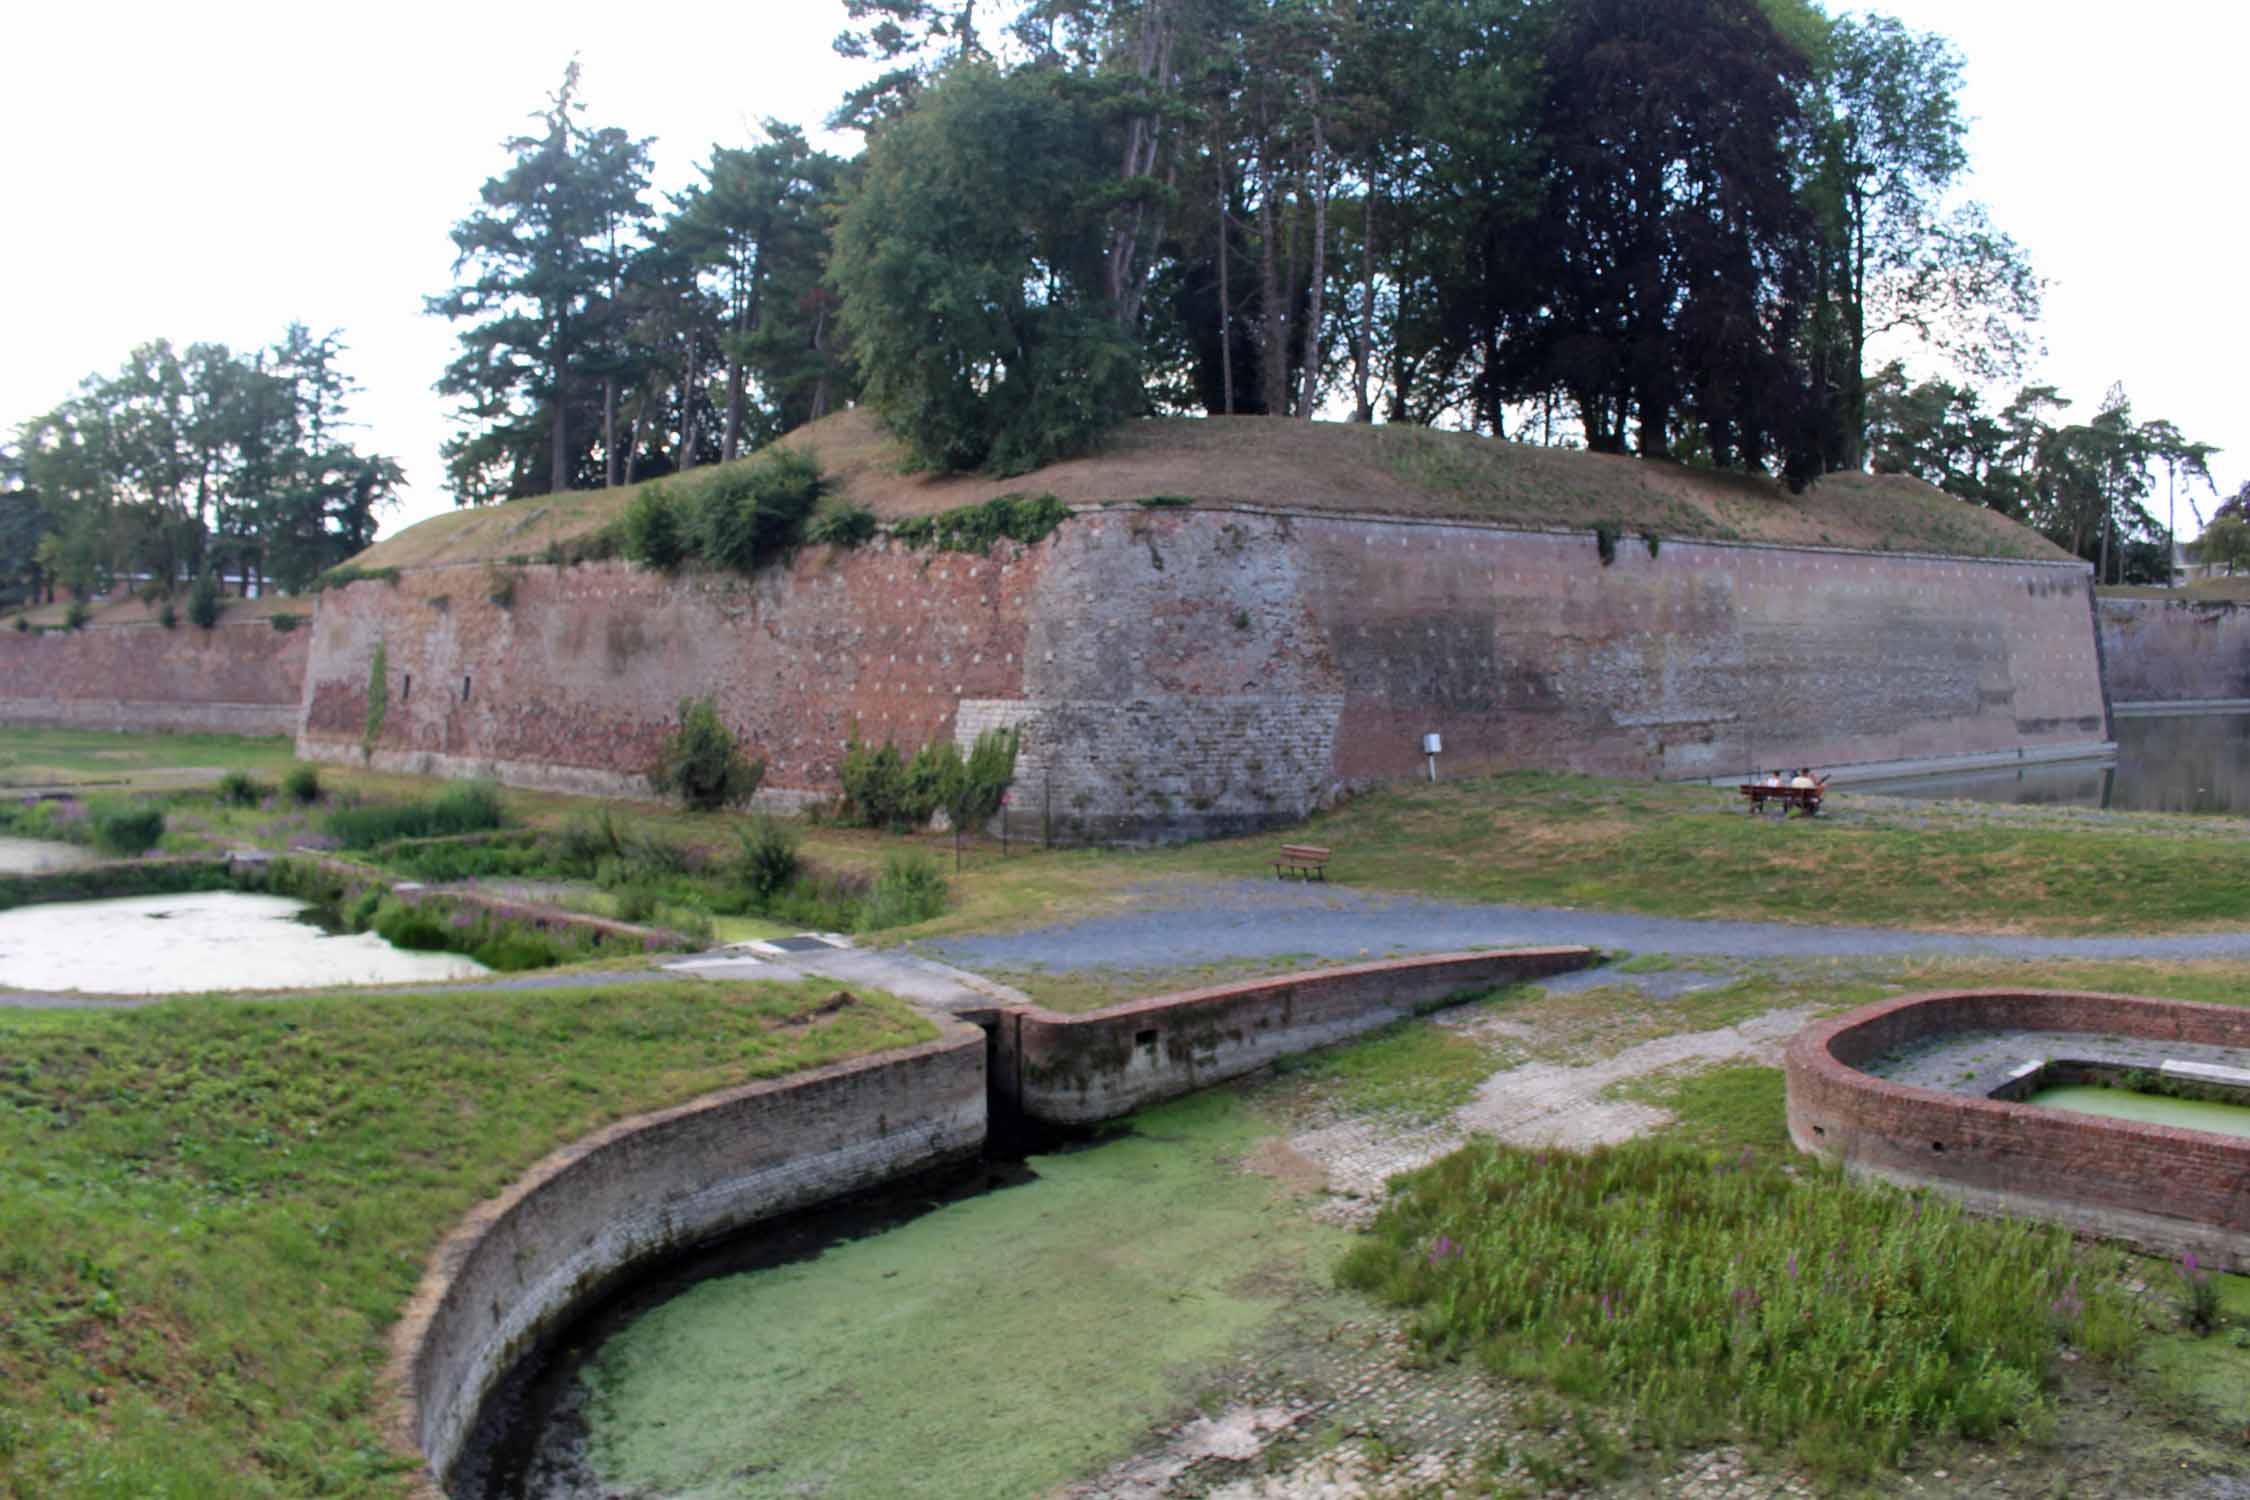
1189	672
231	679
2174	650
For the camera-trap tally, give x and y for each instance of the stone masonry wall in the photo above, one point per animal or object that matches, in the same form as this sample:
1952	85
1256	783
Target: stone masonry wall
519	1266
2171	651
1201	671
2164	1189
1078	1070
231	679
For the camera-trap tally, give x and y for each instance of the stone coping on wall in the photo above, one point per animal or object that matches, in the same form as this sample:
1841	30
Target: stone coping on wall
2158	1187
519	1266
1081	1069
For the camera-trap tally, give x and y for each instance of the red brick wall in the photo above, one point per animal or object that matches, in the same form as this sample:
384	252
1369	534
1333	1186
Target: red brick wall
2014	1150
1195	672
235	679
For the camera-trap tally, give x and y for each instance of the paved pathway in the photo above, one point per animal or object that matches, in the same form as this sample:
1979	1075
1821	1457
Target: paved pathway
1218	920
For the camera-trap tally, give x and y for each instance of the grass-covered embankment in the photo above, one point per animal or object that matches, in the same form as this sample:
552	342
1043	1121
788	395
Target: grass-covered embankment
1552	839
210	1212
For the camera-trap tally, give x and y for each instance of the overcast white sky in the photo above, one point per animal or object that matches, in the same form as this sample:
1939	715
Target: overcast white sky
215	172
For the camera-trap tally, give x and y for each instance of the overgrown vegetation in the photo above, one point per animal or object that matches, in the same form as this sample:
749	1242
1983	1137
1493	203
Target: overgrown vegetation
702	763
1715	1298
463	807
241	789
125	828
1012	517
736	516
301	784
346	574
204	601
884	790
378	699
210	1214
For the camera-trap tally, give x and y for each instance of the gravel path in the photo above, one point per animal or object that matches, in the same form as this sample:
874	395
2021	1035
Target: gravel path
1247	919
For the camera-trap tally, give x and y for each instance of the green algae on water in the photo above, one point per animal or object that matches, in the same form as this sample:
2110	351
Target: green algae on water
997	1346
2149	1109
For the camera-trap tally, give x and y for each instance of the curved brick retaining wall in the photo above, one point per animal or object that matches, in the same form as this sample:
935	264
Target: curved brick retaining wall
1077	1070
519	1266
2163	1189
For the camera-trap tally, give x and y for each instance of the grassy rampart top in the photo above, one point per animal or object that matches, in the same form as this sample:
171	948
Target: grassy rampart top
1391	470
124	607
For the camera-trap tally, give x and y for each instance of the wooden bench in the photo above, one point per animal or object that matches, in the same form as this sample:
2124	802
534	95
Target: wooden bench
1303	860
1805	797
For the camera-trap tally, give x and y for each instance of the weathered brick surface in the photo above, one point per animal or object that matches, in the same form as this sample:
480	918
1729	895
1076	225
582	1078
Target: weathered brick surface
2167	651
1194	672
520	1265
2164	1188
1077	1070
232	679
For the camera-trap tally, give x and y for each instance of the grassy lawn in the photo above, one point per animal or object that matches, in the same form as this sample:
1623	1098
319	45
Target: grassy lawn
43	757
212	1211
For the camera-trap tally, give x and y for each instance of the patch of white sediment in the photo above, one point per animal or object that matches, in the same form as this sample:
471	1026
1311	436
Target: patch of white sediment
204	940
30	856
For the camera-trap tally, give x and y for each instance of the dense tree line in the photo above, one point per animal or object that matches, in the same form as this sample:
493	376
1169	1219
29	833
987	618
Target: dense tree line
182	464
1684	229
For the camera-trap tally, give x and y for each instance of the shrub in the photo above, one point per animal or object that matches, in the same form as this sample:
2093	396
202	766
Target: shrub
766	862
1653	542
415	928
655	528
702	763
746	512
848	525
500	587
284	621
346	574
974	528
634	902
1605	542
911	889
378	699
203	603
23	624
464	807
126	828
75	617
168	617
2199	1295
586	840
302	784
241	789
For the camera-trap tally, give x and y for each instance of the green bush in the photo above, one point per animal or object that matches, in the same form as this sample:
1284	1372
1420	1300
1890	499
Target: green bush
585	841
168	617
911	889
241	789
464	807
655	528
974	528
634	902
767	861
76	615
1605	542
884	790
23	624
284	621
848	525
203	603
747	512
301	784
414	928
702	763
125	828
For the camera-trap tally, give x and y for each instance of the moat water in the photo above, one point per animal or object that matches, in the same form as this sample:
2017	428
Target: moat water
30	856
2149	1109
204	940
2176	763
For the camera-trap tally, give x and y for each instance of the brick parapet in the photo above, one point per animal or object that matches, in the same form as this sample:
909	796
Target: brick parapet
2162	1188
244	678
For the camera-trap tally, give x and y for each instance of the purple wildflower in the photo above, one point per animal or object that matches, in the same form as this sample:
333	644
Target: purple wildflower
1443	1250
1792	1265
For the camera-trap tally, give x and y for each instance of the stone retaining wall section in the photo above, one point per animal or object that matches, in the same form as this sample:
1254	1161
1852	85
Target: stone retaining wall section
1218	669
2163	1189
2174	650
231	679
1077	1070
522	1264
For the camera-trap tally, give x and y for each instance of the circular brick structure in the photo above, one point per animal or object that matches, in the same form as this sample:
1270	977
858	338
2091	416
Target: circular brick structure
2159	1188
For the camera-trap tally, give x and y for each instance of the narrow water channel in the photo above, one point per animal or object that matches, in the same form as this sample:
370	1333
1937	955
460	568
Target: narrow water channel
30	856
2150	1109
2176	763
996	1344
205	940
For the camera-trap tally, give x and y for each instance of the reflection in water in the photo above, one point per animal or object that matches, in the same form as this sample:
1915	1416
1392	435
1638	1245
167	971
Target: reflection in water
208	940
29	856
2184	763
